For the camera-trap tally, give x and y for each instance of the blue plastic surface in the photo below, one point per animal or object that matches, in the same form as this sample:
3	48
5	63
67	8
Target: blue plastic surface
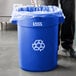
38	38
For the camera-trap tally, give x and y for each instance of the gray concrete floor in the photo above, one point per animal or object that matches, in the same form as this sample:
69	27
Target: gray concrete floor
9	59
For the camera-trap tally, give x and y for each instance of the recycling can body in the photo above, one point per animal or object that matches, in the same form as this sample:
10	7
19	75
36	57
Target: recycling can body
38	36
38	43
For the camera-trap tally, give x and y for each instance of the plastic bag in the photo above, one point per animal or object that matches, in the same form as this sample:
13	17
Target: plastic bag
21	12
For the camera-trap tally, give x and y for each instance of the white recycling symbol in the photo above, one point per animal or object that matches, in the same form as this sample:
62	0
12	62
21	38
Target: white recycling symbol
38	45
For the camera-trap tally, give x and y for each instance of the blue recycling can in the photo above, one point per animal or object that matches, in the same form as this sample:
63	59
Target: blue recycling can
38	38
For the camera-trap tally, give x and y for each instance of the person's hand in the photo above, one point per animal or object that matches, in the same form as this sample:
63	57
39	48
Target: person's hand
32	2
35	2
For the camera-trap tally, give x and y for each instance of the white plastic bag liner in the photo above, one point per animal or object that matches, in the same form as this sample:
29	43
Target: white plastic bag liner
20	12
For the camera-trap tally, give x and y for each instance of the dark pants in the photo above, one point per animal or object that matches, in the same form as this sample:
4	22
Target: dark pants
68	27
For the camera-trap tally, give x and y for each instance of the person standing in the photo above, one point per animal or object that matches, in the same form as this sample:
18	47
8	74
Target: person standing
68	27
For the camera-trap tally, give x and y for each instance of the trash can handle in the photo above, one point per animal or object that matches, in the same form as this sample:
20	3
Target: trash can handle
61	20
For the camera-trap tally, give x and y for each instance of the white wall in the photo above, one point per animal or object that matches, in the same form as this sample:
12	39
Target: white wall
6	6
